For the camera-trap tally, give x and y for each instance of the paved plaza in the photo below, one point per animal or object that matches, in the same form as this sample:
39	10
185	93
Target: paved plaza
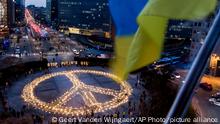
55	87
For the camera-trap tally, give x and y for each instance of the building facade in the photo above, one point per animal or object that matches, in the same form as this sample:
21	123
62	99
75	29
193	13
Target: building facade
200	31
215	64
178	40
52	12
91	16
19	12
11	13
38	13
7	16
3	18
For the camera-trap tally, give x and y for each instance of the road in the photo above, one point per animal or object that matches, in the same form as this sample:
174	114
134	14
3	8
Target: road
203	107
201	98
32	44
46	39
28	44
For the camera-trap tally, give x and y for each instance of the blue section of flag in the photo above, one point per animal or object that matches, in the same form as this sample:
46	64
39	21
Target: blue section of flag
124	13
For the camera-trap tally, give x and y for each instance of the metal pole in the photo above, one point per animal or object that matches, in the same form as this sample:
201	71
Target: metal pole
185	94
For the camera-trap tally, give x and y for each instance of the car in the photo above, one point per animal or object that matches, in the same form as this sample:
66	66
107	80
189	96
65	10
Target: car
172	77
215	99
25	52
216	96
89	54
176	75
76	52
206	86
51	48
17	50
1	53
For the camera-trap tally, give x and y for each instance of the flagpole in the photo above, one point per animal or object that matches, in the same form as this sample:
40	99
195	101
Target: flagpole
186	92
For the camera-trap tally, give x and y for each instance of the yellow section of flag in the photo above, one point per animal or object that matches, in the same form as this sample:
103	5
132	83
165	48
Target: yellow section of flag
121	50
179	9
146	45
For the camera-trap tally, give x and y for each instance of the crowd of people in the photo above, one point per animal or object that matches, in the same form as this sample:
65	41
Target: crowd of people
135	108
9	114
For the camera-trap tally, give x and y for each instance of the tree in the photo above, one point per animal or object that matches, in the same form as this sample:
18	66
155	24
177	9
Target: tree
162	94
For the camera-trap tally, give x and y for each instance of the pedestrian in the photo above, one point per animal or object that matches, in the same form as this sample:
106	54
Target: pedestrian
18	114
13	113
22	113
111	115
115	115
134	106
123	114
118	114
136	84
129	103
130	112
92	113
144	95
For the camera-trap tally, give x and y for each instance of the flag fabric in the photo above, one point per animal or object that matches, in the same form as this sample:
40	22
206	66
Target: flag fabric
137	47
124	13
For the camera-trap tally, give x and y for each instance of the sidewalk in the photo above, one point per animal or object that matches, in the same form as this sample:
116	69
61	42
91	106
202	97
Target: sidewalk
197	107
7	61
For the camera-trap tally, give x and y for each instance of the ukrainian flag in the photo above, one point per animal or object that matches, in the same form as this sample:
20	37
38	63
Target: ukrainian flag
137	47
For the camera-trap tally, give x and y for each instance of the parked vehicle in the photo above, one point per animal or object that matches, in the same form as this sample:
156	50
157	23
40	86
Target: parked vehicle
206	86
215	99
216	96
176	75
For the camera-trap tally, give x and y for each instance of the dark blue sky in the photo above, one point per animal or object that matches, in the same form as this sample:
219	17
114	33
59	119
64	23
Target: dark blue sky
35	2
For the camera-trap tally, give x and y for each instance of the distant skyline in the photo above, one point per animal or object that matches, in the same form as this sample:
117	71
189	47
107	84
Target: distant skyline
38	3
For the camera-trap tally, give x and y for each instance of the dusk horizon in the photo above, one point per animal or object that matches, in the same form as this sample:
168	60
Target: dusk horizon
38	3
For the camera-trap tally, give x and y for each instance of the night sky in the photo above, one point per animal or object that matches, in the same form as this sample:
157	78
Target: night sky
38	3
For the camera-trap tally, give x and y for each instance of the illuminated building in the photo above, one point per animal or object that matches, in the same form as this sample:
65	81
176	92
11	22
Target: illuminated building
38	13
215	65
177	40
11	13
200	31
19	12
6	16
3	13
52	12
90	17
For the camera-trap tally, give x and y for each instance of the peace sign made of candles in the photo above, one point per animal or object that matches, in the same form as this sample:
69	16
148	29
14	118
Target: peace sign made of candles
78	88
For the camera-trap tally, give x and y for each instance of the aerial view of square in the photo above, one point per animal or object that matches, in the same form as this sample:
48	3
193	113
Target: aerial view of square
109	61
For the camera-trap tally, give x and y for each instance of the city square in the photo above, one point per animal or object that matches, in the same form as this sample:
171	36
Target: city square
109	61
92	91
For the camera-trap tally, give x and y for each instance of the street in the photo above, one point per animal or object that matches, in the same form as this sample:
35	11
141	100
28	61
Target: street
200	101
201	98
